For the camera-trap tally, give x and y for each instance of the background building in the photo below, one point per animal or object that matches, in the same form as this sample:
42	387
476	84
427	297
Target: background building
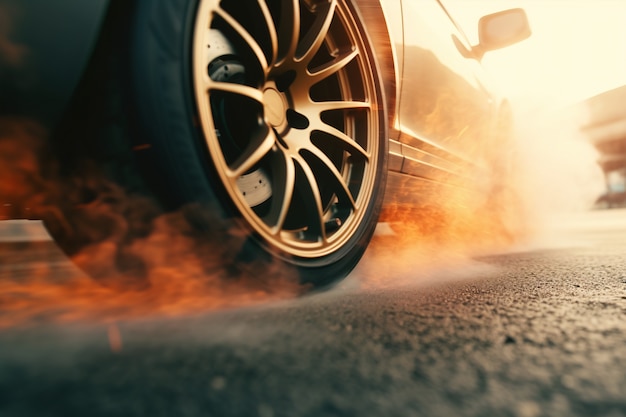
606	129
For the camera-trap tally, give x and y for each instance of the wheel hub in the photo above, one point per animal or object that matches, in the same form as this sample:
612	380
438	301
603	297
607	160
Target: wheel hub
275	107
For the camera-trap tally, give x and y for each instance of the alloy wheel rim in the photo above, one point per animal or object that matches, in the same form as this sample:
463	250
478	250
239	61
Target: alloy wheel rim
288	109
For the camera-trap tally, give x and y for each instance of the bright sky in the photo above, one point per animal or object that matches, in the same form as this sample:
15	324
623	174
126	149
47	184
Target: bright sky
578	48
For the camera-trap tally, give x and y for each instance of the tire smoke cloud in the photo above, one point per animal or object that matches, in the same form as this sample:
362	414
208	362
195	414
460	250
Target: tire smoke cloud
551	170
558	164
141	261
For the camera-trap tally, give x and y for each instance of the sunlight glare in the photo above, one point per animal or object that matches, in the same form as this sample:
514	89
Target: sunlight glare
577	48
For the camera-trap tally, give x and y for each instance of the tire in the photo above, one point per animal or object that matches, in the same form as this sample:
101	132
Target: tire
286	136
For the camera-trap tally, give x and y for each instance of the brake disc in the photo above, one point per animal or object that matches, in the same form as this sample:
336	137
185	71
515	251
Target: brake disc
224	66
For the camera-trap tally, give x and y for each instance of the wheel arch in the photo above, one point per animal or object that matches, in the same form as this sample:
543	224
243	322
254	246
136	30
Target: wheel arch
373	16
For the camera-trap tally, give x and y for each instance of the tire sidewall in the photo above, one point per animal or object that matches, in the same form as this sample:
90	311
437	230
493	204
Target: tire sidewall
162	86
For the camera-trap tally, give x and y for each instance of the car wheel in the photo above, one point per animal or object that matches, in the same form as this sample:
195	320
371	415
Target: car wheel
274	111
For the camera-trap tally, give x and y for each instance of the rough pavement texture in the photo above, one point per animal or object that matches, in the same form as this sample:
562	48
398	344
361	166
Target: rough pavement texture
542	334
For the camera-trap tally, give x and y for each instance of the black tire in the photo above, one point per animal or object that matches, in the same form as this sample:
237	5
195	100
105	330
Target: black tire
195	142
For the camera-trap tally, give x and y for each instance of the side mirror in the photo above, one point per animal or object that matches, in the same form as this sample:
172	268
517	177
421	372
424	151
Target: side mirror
501	29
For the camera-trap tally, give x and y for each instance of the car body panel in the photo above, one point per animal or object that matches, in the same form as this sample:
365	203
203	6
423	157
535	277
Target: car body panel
449	107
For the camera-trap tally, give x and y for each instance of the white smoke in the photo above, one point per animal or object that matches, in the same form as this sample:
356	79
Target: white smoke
557	164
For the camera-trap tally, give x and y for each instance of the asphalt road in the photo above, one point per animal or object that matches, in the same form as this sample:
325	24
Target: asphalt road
538	330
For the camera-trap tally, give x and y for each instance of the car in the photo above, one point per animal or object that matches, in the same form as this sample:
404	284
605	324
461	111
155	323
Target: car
297	121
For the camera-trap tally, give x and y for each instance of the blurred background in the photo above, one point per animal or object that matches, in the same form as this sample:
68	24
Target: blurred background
568	85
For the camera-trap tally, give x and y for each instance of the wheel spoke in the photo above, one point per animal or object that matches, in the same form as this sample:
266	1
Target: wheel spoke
271	30
247	38
323	106
316	224
324	71
332	169
314	38
238	89
346	142
282	192
289	31
253	154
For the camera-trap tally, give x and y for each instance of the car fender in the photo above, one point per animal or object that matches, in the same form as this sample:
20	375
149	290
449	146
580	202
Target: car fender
376	14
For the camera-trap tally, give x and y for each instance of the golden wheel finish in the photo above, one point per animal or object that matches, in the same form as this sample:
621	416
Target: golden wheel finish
303	111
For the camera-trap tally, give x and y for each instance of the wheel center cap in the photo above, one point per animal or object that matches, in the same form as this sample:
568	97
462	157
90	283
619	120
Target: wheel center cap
274	106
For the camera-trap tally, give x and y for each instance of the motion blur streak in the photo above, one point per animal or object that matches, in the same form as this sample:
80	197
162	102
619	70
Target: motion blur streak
175	270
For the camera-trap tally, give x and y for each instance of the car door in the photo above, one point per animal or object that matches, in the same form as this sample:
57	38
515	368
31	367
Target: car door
443	108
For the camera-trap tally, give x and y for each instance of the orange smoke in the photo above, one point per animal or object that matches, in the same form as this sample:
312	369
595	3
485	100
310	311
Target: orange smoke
44	295
551	170
438	242
142	262
22	185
